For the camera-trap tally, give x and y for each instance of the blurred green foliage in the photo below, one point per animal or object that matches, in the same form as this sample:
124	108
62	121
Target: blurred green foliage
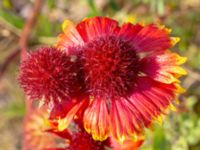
181	129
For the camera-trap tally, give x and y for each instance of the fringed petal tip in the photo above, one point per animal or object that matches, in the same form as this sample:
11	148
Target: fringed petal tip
63	123
130	19
67	24
174	40
179	89
179	59
172	107
160	118
163	27
130	143
164	67
142	23
95	135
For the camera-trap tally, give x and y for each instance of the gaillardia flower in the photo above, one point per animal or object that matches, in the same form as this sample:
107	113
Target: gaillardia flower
51	75
130	75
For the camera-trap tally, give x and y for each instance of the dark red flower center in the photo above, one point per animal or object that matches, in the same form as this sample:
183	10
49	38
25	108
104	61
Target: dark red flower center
111	66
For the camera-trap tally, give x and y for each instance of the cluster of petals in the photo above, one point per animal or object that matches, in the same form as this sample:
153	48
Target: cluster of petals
40	133
118	79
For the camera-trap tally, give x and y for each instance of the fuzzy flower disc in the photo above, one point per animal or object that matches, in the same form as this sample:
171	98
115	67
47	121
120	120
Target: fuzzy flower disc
110	66
50	74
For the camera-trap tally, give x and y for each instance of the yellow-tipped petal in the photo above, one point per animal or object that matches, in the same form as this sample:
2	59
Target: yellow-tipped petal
48	123
151	127
181	71
87	129
85	18
168	30
130	18
163	27
138	136
173	79
66	24
179	89
159	120
174	40
62	124
172	107
180	60
142	23
178	70
177	101
99	138
121	139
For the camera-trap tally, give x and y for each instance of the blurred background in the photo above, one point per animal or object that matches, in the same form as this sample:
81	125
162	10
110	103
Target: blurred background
180	130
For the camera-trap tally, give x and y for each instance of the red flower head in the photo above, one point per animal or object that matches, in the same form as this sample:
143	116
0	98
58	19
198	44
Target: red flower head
50	74
130	75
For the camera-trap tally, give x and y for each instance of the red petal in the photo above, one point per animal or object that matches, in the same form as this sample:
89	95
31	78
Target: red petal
152	98
151	38
97	26
128	31
70	37
125	119
96	119
61	109
159	93
148	100
64	122
163	67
